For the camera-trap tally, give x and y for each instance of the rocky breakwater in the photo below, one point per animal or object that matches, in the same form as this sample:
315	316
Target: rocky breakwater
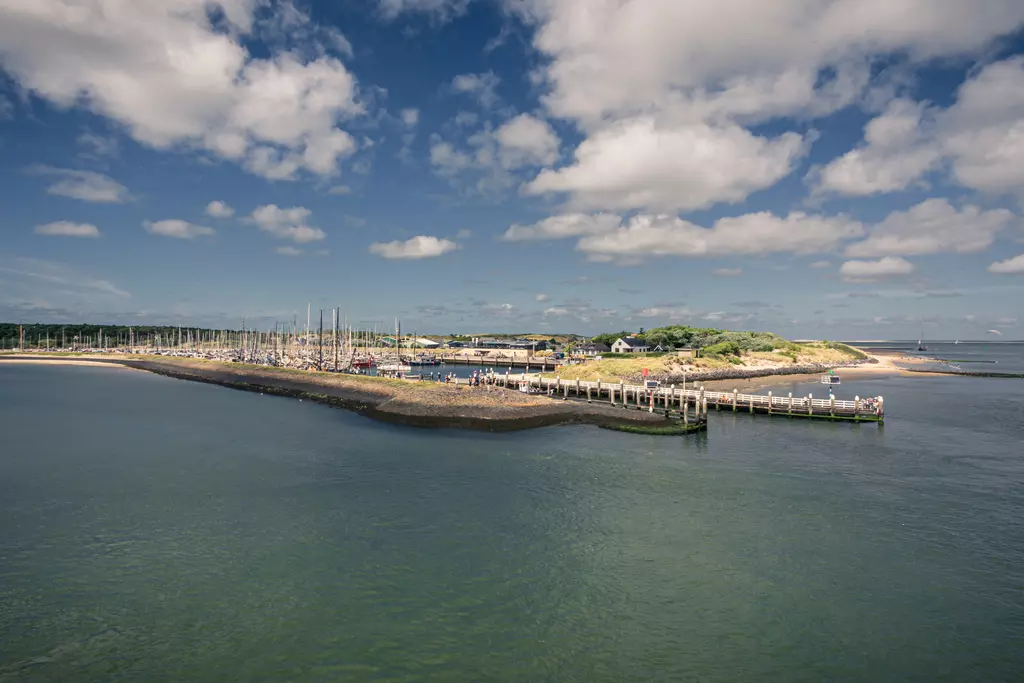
421	404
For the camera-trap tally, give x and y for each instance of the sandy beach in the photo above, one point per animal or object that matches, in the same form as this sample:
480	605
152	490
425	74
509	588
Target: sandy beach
885	364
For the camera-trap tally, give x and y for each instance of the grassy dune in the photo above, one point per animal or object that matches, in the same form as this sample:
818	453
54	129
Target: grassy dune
621	368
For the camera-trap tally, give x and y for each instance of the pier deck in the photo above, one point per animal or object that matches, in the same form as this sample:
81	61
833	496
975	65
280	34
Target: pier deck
675	399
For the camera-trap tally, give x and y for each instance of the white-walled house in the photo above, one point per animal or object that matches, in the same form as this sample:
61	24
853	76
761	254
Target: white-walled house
630	345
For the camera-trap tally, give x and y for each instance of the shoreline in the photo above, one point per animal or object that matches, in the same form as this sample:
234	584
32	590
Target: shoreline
425	405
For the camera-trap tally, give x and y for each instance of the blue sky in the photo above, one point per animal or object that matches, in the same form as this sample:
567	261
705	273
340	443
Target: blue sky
514	165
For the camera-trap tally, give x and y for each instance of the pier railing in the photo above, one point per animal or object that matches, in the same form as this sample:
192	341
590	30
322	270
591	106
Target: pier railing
667	397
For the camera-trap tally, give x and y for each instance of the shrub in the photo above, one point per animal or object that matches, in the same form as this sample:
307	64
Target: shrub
725	348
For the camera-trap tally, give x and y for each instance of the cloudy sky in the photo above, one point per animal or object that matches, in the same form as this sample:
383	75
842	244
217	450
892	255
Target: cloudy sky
820	168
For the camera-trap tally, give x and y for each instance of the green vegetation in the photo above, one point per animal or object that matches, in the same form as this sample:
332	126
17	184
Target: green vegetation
84	334
682	336
609	338
724	348
848	350
685	337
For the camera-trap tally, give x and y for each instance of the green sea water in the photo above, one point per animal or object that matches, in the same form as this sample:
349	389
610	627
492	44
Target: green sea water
160	530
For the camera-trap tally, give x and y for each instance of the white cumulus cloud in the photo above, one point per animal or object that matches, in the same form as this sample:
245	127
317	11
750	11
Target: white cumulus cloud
68	229
87	186
639	164
482	86
526	140
562	226
754	234
179	74
287	224
421	246
179	229
896	153
931	227
219	209
410	117
1009	266
983	132
663	91
872	271
979	139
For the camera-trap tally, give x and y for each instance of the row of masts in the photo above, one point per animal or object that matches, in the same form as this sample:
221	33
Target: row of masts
342	346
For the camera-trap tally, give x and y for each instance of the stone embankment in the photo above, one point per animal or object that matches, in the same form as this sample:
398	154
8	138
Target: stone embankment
486	408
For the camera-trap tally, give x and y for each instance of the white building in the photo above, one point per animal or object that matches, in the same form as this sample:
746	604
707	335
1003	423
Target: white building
630	345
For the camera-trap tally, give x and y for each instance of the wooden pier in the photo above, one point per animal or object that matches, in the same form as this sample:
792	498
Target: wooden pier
675	401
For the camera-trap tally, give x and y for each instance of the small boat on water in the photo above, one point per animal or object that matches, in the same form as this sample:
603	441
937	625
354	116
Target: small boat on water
830	379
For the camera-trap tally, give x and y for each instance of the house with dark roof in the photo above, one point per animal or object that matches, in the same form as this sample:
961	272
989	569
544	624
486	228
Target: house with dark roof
592	349
630	345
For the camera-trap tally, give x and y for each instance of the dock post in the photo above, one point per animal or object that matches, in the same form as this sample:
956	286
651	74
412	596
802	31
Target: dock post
565	392
598	388
704	406
578	389
588	394
810	404
735	398
769	403
686	417
831	405
856	408
611	394
622	392
751	404
791	404
558	383
673	401
880	411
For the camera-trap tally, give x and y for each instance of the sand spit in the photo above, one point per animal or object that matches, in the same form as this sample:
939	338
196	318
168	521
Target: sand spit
420	404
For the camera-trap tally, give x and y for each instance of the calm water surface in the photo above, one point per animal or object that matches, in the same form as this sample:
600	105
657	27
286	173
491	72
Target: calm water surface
159	530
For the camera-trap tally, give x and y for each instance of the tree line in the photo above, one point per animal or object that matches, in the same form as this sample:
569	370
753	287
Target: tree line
686	337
